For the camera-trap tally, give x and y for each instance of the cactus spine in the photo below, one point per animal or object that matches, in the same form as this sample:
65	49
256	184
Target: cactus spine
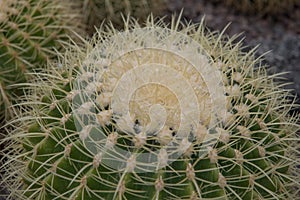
30	31
93	128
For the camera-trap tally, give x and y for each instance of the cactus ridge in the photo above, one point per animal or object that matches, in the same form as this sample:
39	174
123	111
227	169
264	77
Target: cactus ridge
255	156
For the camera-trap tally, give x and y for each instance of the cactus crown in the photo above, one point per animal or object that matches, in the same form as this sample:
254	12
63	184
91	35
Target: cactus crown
161	112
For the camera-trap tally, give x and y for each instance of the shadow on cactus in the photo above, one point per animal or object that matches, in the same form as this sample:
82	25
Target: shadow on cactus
160	112
30	30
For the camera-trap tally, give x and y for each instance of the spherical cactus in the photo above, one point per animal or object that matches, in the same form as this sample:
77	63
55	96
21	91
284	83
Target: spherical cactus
154	113
262	7
30	31
96	11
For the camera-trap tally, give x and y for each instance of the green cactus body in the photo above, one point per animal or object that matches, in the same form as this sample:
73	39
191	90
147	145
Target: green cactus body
96	11
76	142
30	31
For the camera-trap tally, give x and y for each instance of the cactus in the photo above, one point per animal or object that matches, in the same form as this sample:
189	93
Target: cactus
262	6
30	30
160	112
96	11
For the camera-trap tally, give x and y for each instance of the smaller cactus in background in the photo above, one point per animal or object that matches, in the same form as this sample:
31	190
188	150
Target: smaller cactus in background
261	7
154	113
30	33
96	11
